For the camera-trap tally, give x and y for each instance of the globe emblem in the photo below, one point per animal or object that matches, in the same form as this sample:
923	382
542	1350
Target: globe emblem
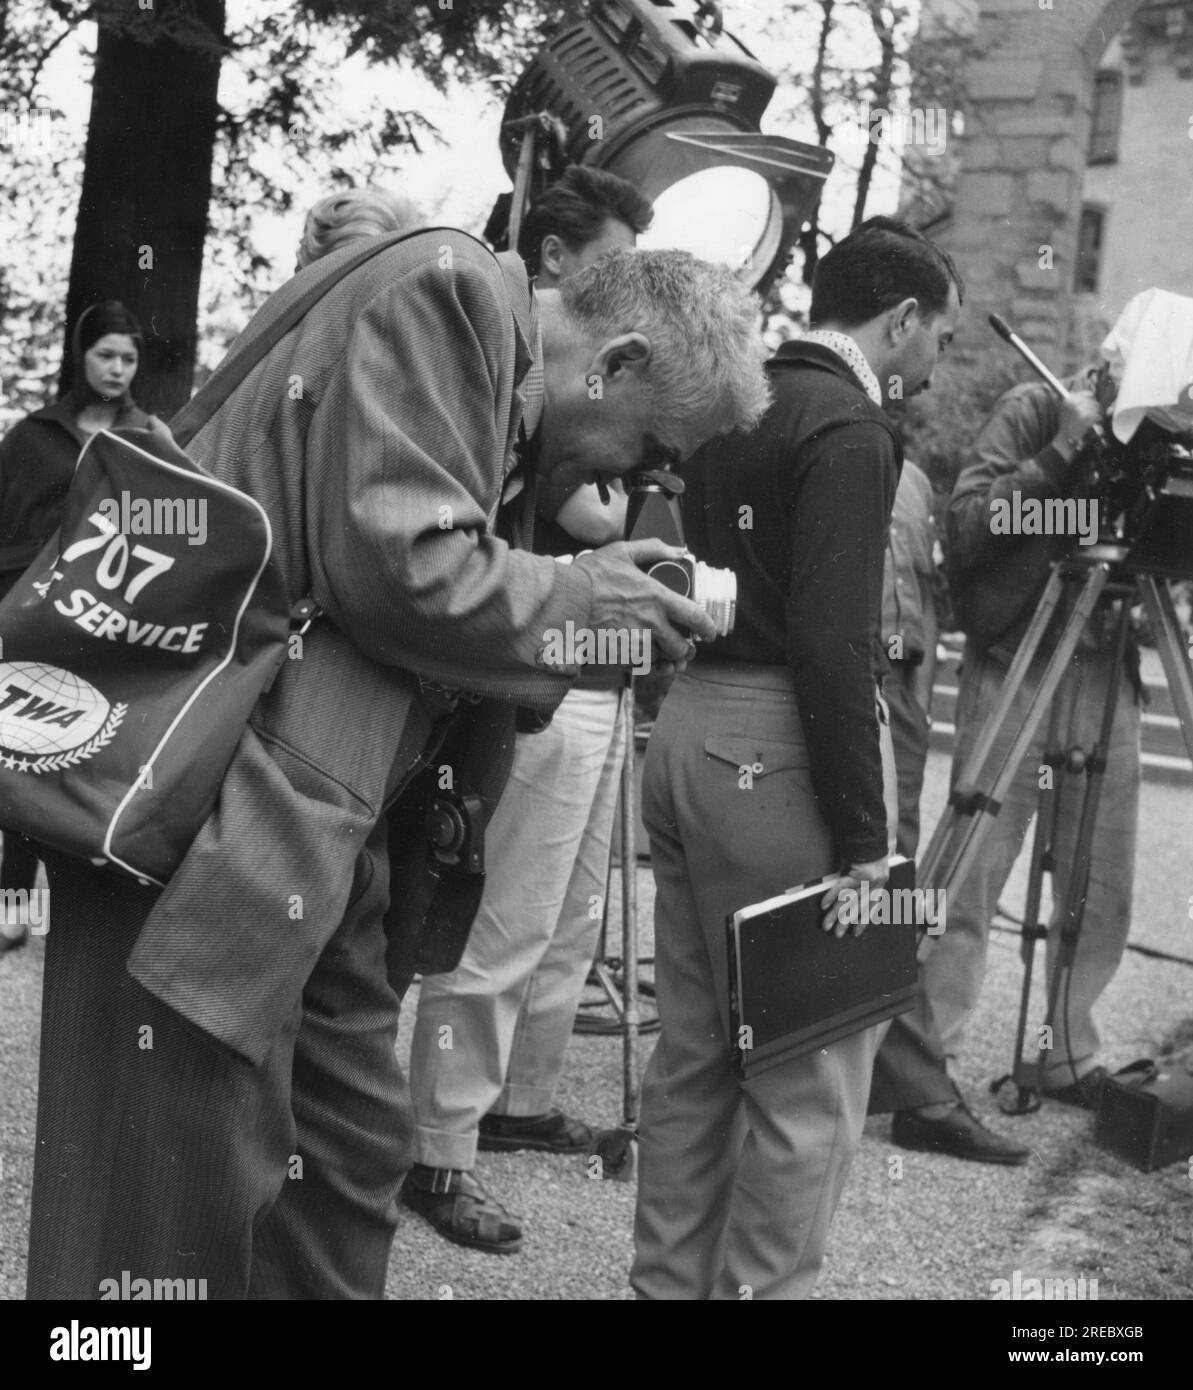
45	710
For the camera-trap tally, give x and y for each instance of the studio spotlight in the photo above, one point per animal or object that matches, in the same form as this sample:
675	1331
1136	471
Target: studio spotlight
657	92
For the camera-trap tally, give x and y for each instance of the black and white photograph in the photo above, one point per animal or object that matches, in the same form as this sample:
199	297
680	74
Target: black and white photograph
596	665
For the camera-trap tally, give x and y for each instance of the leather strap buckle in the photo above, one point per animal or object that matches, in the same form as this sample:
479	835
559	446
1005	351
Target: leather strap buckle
302	614
441	1181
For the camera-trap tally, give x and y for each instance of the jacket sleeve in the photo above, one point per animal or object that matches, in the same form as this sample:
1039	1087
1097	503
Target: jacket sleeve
402	546
36	465
1011	454
841	508
10	451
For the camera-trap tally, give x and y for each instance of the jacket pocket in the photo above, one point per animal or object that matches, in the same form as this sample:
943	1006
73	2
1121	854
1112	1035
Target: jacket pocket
760	756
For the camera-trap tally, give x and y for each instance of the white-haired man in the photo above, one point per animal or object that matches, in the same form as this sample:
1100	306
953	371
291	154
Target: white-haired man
259	1140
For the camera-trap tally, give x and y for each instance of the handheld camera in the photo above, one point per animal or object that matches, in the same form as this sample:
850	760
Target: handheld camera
653	513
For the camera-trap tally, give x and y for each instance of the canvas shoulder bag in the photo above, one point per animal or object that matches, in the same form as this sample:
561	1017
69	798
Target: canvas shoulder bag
134	648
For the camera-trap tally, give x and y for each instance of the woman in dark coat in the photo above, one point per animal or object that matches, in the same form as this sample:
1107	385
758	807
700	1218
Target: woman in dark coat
37	463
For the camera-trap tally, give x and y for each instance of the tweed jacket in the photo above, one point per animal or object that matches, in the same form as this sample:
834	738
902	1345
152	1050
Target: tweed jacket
378	436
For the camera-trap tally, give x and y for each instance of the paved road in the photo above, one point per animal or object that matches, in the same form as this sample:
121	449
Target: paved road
910	1226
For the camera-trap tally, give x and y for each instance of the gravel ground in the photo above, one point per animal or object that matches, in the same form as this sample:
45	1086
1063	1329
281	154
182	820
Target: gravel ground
934	1229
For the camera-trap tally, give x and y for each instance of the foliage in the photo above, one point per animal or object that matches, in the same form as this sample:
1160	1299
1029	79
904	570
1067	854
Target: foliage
843	64
283	115
841	61
939	425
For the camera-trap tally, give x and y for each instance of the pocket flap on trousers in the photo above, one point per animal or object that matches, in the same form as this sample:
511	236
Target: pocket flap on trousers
760	755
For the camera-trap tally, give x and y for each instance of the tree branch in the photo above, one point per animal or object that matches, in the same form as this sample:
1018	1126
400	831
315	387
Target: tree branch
884	30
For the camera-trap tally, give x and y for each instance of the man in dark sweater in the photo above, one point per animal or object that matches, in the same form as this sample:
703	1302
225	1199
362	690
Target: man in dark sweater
766	769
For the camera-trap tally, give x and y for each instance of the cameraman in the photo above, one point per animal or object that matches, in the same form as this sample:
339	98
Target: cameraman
765	769
1030	446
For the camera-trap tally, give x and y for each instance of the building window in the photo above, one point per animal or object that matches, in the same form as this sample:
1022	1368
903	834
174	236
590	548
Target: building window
1108	118
1089	250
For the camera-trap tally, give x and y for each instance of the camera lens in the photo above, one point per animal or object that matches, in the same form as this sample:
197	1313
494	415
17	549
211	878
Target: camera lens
716	593
672	575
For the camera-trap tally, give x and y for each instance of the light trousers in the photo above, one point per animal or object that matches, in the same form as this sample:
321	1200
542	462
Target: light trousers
738	1179
492	1034
956	965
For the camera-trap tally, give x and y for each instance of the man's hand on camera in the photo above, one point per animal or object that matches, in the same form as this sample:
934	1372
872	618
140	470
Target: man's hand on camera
626	598
875	873
1079	412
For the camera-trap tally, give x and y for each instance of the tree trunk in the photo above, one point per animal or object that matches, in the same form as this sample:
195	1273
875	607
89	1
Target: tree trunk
884	85
809	239
147	183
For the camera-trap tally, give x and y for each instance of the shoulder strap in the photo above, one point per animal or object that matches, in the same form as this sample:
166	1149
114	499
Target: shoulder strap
230	373
517	285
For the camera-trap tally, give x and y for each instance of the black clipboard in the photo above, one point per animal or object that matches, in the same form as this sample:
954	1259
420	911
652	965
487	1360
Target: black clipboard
794	988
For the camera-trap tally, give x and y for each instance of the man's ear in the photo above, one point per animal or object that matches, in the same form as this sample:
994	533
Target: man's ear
629	352
551	254
899	318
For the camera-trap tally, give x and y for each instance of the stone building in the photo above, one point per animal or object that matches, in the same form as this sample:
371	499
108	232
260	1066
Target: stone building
1071	186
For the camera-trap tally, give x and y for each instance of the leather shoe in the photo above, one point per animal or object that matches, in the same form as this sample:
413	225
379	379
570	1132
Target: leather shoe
1085	1092
552	1133
958	1133
460	1209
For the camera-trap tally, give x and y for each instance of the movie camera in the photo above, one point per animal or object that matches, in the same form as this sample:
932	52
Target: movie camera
1144	487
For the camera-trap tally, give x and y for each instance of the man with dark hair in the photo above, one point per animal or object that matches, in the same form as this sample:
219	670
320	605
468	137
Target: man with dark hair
880	263
584	214
510	1004
767	768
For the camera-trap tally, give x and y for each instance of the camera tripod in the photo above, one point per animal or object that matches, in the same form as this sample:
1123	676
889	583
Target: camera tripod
618	977
1103	572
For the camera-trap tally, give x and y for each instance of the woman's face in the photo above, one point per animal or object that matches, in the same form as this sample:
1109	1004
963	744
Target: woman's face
111	363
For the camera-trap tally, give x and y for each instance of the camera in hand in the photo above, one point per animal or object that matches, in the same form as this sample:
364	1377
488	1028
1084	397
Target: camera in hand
653	513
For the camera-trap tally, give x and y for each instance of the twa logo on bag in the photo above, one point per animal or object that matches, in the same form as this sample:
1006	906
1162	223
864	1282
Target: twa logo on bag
50	719
132	657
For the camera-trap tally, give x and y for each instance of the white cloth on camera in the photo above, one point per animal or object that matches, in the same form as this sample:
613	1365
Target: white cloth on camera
1152	343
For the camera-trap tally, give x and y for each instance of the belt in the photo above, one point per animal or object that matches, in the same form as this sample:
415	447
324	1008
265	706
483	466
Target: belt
753	673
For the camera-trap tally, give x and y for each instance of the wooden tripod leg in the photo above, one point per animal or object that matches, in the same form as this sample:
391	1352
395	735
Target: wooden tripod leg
629	913
938	847
1024	1073
1157	600
1073	908
966	820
